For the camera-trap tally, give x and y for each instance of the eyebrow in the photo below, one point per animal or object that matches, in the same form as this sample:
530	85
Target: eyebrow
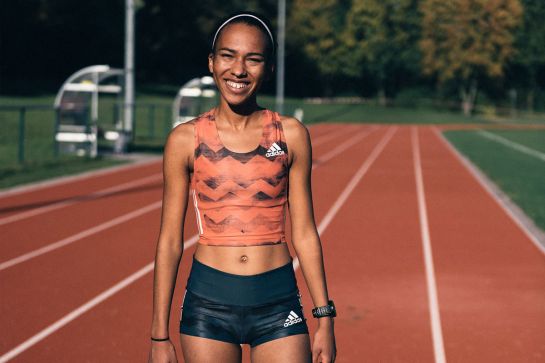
249	54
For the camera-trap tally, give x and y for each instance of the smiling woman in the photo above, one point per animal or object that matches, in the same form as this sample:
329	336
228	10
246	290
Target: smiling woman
244	166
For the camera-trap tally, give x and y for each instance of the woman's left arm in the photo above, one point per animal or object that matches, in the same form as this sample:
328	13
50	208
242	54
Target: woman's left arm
305	238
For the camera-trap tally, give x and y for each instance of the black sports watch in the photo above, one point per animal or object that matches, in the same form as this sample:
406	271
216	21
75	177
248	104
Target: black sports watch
324	311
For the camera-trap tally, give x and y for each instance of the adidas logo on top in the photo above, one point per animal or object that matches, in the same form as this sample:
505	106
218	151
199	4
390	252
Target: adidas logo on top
274	150
292	319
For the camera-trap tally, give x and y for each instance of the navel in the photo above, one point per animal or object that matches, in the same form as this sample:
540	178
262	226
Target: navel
243	258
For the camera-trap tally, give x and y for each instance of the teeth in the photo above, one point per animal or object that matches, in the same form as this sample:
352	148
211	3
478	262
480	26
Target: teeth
236	84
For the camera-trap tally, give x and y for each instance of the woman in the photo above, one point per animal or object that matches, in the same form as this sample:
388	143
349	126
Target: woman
242	288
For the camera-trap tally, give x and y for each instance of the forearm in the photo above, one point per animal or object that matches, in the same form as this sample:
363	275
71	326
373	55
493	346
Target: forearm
309	252
167	260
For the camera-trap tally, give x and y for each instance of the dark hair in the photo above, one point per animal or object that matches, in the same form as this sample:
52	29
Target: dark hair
251	19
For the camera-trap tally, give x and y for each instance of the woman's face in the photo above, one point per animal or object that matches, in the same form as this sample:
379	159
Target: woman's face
239	63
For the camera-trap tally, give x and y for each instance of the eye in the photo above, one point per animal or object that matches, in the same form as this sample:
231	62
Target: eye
226	55
255	60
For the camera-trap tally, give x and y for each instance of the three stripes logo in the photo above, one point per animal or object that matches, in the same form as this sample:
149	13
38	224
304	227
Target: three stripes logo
292	319
274	150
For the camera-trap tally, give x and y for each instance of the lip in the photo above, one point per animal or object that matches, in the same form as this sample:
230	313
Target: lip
237	87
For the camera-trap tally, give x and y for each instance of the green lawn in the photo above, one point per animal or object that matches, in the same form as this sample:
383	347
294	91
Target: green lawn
370	113
153	114
520	176
534	139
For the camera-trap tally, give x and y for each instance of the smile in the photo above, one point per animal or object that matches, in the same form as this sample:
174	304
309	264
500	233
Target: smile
236	85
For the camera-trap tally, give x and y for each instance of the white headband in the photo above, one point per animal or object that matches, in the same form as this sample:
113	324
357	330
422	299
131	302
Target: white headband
243	15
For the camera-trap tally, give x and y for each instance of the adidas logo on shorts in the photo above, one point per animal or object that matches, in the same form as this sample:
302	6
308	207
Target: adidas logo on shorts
292	319
274	150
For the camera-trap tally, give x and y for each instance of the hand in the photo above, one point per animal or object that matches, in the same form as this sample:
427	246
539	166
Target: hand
324	349
162	352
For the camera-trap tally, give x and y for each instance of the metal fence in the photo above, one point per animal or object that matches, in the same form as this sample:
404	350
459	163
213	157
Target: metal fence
27	132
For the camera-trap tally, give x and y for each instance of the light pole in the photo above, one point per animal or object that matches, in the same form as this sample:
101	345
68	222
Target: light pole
128	104
280	56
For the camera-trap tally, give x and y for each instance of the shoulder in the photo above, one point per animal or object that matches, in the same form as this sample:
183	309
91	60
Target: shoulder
294	130
180	143
182	134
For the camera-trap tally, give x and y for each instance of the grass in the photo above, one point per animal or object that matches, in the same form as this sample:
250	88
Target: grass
153	115
534	139
519	175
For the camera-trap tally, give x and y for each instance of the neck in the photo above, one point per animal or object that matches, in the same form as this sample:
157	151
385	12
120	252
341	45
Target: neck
237	115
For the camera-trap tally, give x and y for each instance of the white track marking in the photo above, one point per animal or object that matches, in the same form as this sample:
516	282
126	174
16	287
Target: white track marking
189	243
78	236
513	145
351	186
78	199
111	190
342	147
486	185
74	178
121	219
107	170
324	138
435	318
74	314
149	267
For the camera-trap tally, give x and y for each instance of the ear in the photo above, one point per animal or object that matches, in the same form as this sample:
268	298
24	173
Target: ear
211	62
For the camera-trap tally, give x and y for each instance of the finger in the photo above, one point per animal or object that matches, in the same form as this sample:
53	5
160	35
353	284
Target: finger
315	357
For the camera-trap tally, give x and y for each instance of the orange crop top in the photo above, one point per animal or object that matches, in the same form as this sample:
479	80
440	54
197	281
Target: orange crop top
240	198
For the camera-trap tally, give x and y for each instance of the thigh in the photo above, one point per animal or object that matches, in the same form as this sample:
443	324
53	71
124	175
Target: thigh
293	349
203	350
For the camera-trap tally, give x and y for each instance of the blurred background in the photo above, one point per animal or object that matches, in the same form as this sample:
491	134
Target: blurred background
417	61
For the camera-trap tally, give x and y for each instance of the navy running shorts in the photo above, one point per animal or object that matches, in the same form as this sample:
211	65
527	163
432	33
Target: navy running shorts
242	309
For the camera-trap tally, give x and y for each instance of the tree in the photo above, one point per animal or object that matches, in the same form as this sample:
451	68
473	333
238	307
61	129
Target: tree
381	36
465	40
313	27
530	44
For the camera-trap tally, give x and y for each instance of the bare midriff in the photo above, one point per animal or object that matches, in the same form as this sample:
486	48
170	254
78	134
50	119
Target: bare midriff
248	260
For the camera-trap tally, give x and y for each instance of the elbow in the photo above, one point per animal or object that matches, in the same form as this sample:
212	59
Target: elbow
170	246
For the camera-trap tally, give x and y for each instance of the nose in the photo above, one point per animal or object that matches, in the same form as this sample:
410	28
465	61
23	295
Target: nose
238	68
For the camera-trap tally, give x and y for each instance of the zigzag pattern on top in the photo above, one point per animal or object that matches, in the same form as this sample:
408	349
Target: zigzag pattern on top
240	198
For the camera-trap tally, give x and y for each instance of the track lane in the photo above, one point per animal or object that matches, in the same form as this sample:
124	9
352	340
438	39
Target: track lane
26	235
26	239
73	188
156	219
490	277
375	266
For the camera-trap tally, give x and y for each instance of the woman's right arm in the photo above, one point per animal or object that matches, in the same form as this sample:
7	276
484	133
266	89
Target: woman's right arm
177	161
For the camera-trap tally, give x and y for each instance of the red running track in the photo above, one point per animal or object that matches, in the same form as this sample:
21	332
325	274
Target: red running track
424	265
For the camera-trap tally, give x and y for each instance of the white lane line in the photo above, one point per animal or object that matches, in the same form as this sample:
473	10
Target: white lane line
324	138
342	147
75	178
78	236
126	217
435	318
74	314
78	199
104	192
149	267
352	185
513	145
487	185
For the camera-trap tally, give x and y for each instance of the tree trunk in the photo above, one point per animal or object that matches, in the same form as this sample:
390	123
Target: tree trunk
468	97
381	90
530	101
381	96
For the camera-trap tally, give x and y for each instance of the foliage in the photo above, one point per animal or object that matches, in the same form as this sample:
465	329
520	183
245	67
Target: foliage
381	37
313	27
464	40
530	45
